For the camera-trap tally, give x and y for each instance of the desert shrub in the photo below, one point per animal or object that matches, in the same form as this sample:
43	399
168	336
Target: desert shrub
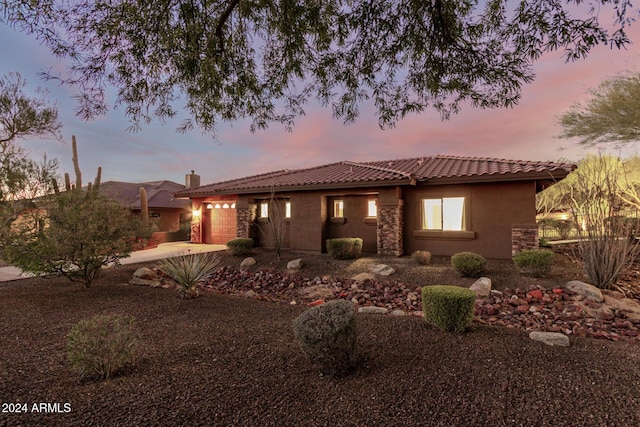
102	345
188	270
468	264
422	257
534	261
241	246
74	235
449	308
327	335
344	248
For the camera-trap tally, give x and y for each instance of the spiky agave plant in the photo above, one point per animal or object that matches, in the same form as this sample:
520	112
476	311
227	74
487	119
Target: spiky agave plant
188	270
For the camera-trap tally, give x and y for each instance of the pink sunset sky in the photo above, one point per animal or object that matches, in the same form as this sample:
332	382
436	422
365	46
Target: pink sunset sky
526	132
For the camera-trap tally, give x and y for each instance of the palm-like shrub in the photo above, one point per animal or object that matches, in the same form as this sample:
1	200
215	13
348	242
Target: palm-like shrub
188	270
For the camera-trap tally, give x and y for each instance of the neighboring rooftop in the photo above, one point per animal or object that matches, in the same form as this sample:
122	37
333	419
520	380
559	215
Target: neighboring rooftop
159	193
430	169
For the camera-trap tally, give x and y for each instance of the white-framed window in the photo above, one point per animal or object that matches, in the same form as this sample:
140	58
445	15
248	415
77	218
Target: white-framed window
372	208
444	213
287	209
338	208
264	209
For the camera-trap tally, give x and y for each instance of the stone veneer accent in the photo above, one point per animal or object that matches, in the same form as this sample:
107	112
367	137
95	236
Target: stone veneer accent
245	217
524	237
195	231
389	230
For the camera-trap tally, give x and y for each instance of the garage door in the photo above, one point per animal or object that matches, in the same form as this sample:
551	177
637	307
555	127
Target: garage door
219	224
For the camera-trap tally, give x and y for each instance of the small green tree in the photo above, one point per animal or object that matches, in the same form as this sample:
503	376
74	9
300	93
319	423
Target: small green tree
73	234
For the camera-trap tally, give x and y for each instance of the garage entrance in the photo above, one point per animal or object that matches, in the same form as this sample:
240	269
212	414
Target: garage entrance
219	222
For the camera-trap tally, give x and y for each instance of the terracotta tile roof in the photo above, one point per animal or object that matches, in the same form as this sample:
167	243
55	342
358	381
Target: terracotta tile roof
159	193
389	172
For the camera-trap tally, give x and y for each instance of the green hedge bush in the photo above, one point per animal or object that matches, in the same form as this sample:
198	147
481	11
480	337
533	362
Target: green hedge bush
102	345
345	248
241	246
536	262
422	257
468	264
449	308
327	335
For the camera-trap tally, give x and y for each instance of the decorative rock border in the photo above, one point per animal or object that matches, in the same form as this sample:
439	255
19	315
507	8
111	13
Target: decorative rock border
535	309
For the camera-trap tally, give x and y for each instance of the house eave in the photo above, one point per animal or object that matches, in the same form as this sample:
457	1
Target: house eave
292	188
546	176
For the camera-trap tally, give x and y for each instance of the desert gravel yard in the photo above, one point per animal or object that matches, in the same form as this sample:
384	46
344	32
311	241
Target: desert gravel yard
223	360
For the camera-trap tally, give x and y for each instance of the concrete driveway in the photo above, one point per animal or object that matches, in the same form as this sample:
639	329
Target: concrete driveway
164	250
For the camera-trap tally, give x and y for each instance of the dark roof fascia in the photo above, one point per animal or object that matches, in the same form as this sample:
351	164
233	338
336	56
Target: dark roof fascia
556	175
308	187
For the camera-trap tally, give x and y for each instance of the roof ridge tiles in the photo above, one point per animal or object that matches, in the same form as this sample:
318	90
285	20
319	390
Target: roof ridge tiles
378	168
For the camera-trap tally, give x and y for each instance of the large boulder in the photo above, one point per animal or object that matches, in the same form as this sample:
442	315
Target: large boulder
317	292
550	338
247	262
616	301
381	269
363	276
145	273
369	309
295	264
482	287
589	292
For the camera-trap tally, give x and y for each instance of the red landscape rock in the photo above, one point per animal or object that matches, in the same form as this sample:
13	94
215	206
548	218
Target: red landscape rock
537	294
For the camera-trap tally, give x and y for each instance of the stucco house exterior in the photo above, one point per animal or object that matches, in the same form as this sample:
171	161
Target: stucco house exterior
443	204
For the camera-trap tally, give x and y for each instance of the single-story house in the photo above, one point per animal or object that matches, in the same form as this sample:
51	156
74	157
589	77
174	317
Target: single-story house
167	213
442	204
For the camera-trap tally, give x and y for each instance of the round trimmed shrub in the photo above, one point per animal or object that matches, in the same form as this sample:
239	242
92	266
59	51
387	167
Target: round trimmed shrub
469	264
102	345
344	247
536	262
449	308
327	335
422	257
240	246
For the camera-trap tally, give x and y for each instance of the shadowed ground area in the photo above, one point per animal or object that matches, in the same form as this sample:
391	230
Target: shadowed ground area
228	361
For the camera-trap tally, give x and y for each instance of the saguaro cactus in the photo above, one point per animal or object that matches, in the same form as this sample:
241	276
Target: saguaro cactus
91	188
144	207
76	165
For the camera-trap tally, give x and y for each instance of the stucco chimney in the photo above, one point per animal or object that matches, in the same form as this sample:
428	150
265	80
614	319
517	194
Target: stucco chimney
192	180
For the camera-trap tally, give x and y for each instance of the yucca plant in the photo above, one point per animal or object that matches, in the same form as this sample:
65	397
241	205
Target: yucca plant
187	270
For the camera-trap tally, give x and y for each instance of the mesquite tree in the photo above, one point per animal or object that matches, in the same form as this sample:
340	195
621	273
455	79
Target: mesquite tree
611	116
264	59
21	177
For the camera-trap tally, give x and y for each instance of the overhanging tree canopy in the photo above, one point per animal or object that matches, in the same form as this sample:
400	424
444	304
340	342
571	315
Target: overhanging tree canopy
611	116
264	59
